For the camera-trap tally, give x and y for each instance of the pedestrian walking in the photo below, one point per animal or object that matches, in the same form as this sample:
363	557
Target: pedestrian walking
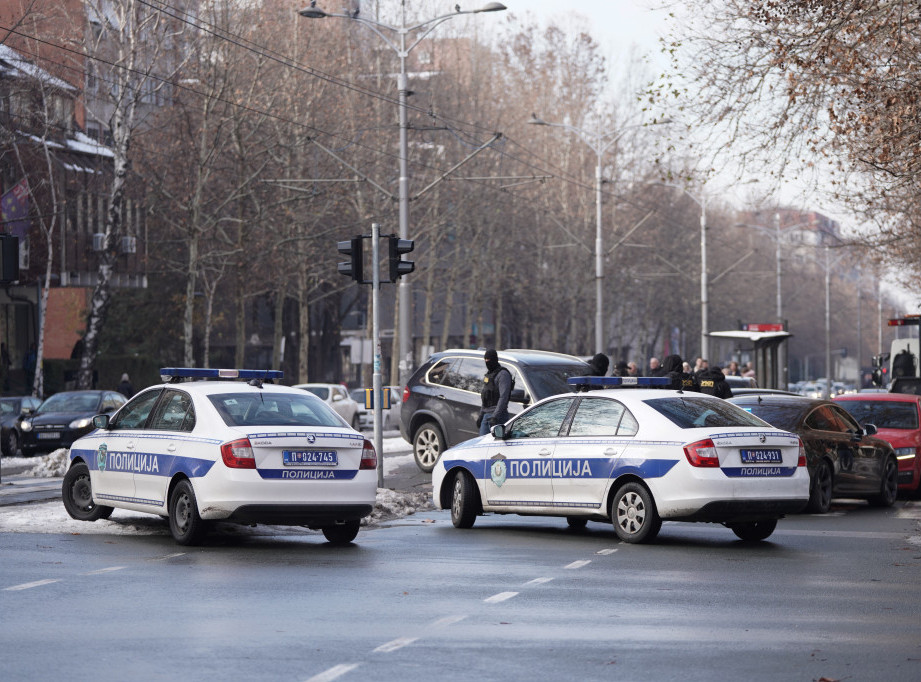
125	387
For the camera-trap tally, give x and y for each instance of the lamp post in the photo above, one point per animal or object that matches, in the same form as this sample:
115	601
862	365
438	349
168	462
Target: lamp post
599	143
402	50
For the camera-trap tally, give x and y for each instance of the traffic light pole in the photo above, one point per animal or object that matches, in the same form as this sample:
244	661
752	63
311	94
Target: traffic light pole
376	382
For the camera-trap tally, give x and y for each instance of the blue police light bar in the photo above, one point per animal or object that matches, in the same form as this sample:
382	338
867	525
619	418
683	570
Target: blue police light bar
167	373
619	382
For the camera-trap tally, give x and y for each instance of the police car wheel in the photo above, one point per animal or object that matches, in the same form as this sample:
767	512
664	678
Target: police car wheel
634	514
889	487
576	522
820	492
343	533
77	494
465	501
754	531
428	443
185	523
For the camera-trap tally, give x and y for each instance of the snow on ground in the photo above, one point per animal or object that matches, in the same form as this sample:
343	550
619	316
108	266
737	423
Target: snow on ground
50	517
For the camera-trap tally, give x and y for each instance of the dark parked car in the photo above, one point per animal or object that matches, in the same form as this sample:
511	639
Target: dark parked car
442	399
843	458
64	417
897	418
12	410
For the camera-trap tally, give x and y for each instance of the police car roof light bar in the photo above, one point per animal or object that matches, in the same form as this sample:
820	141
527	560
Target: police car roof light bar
583	383
178	373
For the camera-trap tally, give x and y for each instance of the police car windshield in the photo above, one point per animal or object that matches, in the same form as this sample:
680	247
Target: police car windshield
274	409
547	380
883	414
691	413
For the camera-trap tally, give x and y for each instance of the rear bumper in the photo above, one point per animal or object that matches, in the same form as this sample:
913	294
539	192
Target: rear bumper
739	511
312	515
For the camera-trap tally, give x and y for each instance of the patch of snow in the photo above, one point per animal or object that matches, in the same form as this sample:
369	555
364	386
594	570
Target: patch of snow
53	465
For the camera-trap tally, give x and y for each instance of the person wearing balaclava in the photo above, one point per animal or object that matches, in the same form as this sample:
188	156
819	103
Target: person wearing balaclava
681	380
599	365
713	382
497	388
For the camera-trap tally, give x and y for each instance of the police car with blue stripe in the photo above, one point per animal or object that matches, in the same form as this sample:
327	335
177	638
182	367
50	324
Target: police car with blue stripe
629	457
205	446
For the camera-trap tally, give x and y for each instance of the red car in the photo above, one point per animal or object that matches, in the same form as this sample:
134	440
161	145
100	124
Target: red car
897	417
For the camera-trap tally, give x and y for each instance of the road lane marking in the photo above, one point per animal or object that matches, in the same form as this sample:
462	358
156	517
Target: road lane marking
606	552
26	586
395	644
578	564
334	673
448	620
538	581
502	596
168	556
105	570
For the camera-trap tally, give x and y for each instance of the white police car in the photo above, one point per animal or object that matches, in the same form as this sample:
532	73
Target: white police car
249	452
631	457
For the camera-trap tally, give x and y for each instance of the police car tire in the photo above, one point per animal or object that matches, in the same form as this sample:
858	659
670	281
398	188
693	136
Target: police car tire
820	491
77	495
428	444
889	486
634	515
755	531
185	523
465	501
342	534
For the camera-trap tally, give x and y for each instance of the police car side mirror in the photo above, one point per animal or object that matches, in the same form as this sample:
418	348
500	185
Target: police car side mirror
869	429
498	431
101	421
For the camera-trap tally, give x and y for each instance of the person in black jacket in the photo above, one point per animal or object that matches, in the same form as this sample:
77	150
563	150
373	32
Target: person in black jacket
681	380
497	389
713	382
599	365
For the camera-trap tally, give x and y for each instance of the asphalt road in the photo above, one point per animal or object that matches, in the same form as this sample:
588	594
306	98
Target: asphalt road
834	596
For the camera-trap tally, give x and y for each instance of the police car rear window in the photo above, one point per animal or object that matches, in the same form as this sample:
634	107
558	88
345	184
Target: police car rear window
274	409
691	413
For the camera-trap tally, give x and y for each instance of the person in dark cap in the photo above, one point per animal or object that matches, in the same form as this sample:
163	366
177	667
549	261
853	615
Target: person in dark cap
621	369
713	382
599	365
497	388
681	380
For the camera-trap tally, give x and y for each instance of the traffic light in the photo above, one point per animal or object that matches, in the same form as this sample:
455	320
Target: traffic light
399	267
351	267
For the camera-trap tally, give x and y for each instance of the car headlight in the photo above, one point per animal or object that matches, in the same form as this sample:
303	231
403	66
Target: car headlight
81	423
25	425
905	453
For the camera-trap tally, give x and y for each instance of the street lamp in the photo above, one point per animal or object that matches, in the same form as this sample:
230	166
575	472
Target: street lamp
599	143
402	50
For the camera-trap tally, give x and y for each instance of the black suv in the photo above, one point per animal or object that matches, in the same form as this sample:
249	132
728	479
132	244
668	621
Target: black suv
442	399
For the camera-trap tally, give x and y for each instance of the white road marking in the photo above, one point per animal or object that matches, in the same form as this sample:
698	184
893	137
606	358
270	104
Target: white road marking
538	581
105	570
168	556
578	564
334	673
447	620
605	552
395	644
26	586
502	596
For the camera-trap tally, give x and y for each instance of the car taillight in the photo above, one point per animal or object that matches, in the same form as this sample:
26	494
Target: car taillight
801	460
238	454
405	393
702	454
368	456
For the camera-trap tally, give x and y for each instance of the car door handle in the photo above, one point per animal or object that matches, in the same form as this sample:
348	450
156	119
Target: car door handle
610	452
545	452
129	445
171	447
440	396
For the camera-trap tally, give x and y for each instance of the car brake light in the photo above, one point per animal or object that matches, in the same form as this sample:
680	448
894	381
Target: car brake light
405	393
801	460
368	456
702	454
238	454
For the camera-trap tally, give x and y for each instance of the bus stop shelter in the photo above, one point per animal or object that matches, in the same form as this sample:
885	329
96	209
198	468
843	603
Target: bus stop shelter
769	370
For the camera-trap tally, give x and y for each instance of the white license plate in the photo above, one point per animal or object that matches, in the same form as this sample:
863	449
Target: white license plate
310	458
761	456
49	435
